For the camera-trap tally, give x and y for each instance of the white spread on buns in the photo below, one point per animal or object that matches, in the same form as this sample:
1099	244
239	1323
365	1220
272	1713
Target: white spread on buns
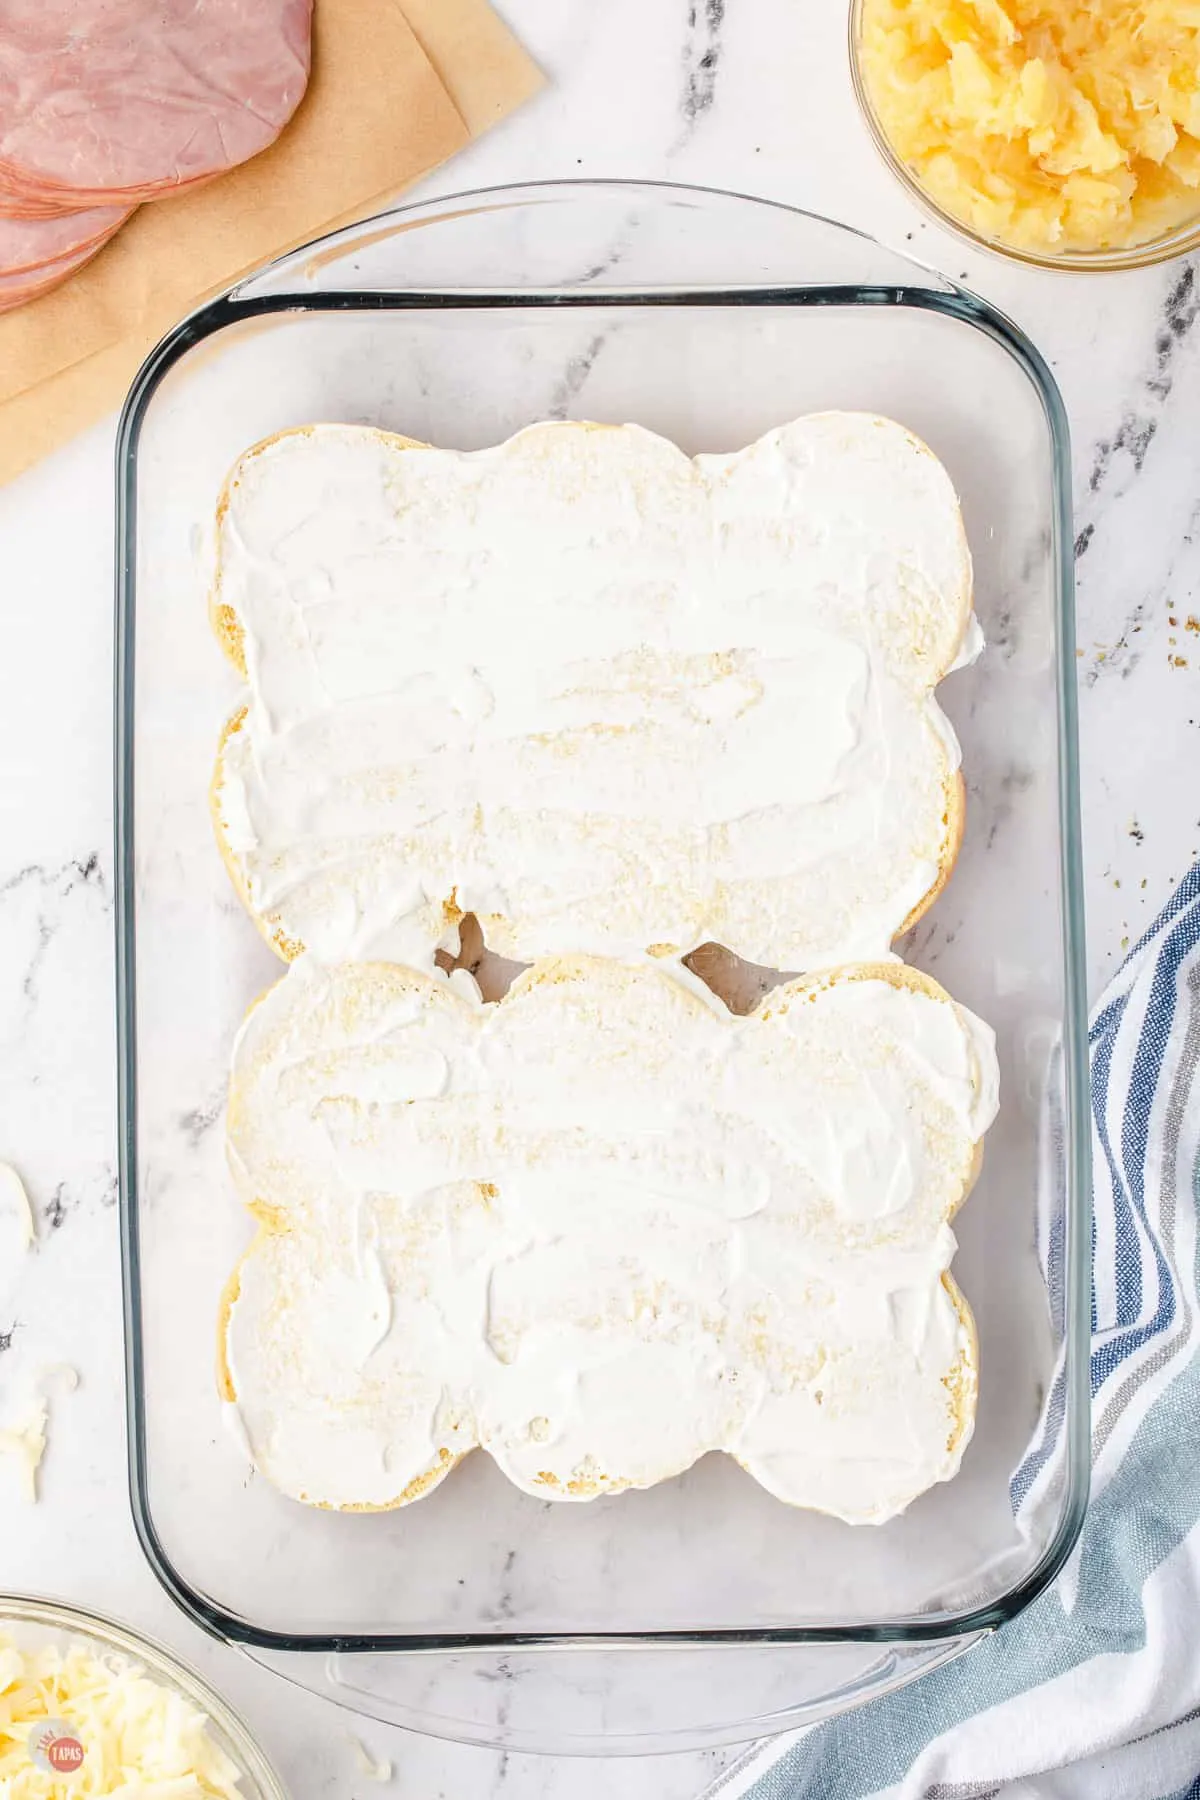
601	1228
605	696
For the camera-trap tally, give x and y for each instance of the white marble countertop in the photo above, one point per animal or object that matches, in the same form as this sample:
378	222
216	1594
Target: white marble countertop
746	94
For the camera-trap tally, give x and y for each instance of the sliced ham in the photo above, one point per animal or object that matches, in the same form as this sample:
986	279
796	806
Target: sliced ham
29	284
30	246
109	101
30	206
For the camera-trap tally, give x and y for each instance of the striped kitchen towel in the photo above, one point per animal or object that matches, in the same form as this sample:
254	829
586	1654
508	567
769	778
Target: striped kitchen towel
1093	1693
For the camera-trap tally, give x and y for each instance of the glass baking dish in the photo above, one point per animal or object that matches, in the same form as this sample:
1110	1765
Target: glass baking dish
701	1611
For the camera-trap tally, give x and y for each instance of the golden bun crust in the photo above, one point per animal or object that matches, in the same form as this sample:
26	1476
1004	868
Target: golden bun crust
956	824
267	925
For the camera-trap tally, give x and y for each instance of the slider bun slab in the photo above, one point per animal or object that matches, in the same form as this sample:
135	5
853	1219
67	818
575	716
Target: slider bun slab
602	695
601	1228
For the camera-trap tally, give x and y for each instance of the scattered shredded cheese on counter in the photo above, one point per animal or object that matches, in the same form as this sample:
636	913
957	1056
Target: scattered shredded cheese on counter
1044	124
27	1442
61	1375
139	1739
366	1763
14	1202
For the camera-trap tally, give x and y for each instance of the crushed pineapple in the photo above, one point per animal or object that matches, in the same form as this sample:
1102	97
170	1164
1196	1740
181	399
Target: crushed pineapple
1045	124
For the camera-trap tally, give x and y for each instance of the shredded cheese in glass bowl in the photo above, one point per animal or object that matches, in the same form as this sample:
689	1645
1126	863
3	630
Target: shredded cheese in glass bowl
1065	133
90	1710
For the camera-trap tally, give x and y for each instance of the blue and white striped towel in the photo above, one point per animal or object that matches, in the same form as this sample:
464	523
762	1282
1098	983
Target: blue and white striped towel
1093	1693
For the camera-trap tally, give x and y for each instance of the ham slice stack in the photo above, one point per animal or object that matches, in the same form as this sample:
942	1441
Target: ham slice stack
105	104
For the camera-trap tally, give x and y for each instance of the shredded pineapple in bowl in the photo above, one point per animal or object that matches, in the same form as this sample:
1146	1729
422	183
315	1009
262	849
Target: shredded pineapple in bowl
1057	128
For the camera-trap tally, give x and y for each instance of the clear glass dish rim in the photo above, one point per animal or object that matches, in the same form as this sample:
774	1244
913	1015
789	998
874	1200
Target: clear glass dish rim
1179	242
126	1640
954	301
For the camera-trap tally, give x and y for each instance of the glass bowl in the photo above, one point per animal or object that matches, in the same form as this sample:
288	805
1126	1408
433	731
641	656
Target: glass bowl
1177	242
37	1624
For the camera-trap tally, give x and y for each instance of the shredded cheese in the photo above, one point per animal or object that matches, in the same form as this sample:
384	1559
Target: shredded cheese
139	1740
27	1442
14	1202
61	1375
1043	124
366	1763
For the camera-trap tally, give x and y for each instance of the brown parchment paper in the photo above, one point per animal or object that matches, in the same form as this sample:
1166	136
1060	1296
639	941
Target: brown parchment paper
397	86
